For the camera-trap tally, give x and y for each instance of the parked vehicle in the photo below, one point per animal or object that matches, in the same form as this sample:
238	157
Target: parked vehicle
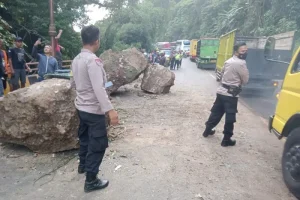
285	123
193	49
207	52
163	45
183	45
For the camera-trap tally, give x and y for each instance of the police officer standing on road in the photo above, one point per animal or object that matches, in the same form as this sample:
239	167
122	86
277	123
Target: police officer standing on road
234	74
92	103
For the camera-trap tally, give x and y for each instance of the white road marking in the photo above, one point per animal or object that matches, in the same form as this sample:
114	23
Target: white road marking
211	75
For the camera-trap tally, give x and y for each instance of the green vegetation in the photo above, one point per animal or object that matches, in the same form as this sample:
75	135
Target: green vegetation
142	23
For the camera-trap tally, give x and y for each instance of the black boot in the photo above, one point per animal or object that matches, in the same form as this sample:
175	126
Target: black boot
209	132
228	142
81	169
93	183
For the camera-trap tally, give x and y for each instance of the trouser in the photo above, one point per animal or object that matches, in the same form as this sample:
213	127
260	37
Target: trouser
223	105
40	78
1	88
58	57
177	62
172	64
5	82
19	75
93	140
180	62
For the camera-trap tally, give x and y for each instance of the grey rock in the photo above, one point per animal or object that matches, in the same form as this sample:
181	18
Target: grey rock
157	80
41	117
123	67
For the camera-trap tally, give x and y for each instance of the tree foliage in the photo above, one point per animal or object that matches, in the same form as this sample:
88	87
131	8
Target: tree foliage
30	20
141	23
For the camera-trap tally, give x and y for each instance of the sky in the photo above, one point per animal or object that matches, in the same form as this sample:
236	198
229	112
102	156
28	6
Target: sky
95	14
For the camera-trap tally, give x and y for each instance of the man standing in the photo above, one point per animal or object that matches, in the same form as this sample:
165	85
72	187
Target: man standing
47	63
172	60
234	75
2	73
177	60
181	56
18	64
92	103
58	54
162	60
6	66
154	57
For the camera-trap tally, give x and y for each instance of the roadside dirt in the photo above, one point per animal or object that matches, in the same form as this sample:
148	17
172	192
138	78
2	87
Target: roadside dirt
160	154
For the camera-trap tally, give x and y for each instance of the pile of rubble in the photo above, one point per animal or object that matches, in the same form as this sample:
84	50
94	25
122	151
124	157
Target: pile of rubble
43	117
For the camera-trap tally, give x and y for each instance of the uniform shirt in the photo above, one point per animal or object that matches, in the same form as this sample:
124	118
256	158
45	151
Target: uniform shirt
89	80
235	73
17	56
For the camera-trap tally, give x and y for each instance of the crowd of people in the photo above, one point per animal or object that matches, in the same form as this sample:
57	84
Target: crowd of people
174	61
14	66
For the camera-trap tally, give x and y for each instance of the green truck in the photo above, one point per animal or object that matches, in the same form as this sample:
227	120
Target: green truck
207	53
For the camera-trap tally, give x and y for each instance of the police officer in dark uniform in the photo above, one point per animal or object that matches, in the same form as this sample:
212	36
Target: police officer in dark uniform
234	74
92	103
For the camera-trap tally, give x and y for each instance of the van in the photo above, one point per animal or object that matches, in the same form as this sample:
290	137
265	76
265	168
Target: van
285	123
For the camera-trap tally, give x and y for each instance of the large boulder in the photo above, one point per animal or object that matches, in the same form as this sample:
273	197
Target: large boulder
41	117
123	67
157	79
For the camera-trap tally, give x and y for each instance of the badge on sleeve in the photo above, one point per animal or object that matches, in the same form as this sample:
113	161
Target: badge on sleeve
98	61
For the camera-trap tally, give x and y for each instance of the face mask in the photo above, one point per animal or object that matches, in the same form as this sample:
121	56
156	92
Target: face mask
243	56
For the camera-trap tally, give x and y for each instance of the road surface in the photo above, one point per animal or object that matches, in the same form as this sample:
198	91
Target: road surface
160	153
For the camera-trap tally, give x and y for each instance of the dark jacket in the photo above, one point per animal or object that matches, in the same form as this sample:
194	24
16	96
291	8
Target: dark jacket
2	71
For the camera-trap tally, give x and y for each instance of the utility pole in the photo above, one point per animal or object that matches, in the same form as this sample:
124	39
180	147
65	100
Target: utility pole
52	30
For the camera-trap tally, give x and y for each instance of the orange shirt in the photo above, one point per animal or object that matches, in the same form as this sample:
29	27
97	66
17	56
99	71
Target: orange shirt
6	63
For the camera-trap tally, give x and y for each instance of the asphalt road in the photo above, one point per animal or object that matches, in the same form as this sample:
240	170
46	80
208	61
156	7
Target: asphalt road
160	153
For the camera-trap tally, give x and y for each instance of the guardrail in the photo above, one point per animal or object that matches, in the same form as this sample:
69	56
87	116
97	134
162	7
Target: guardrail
66	65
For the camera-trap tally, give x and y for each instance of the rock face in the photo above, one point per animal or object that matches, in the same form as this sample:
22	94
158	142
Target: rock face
157	79
123	67
42	117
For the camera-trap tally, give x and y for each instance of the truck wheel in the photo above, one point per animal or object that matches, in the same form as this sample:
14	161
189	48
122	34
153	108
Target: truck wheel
291	162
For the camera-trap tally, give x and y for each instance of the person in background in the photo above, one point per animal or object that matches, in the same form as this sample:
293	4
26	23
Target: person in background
2	73
181	56
6	66
234	74
177	60
47	63
158	58
162	61
172	60
150	57
58	48
154	57
18	64
92	103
